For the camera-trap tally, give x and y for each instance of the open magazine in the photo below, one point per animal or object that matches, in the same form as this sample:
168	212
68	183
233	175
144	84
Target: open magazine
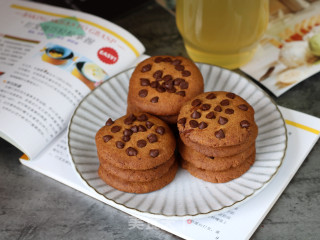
239	222
50	59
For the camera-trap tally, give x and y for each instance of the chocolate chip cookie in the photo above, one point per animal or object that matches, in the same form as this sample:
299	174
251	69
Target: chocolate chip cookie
136	153
219	176
138	187
217	124
136	142
138	175
211	163
161	84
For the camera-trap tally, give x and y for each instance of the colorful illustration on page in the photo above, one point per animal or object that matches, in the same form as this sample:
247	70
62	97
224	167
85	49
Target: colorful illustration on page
290	50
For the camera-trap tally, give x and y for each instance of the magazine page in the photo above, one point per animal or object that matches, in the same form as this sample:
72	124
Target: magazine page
289	52
303	133
50	59
31	23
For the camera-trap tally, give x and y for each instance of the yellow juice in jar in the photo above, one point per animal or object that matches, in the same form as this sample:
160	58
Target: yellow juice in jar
222	32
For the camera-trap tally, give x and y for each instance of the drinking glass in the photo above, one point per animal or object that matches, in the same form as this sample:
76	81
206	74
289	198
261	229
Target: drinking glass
222	32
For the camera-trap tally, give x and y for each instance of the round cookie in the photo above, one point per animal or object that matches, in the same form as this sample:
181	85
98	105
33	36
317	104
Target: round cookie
222	151
136	142
161	84
217	120
138	175
219	176
202	161
138	187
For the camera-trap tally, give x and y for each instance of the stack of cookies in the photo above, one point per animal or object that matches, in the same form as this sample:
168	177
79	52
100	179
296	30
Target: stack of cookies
136	153
218	133
160	85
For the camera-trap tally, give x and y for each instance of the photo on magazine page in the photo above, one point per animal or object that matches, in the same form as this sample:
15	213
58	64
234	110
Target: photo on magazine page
289	52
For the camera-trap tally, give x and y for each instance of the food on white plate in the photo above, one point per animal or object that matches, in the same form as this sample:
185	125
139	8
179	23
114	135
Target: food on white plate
296	53
314	44
288	77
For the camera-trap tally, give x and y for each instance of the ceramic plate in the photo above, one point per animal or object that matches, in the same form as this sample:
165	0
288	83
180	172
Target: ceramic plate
186	196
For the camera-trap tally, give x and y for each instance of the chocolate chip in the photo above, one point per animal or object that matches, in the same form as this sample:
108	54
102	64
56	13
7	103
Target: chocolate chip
160	130
134	129
244	124
130	119
210	115
193	123
119	144
160	89
176	62
181	93
142	128
158	74
196	115
146	68
184	85
219	134
218	108
142	118
186	73
179	67
171	90
231	95
225	102
168	84
143	93
167	59
210	157
107	138
109	122
141	143
131	151
177	81
154	153
222	120
205	107
149	124
126	138
229	111
144	82
154	84
196	102
154	99
127	132
243	107
182	121
181	81
211	96
115	129
158	59
167	78
152	138
203	125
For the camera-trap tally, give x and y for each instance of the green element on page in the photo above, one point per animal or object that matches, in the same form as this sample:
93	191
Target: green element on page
62	27
314	44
